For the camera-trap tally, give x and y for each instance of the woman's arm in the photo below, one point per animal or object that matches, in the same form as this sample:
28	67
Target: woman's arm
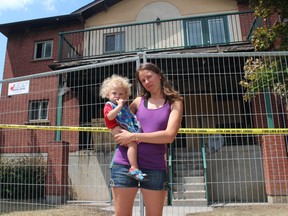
157	137
134	105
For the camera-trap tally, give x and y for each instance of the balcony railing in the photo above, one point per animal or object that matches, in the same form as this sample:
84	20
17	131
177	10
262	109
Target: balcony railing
185	33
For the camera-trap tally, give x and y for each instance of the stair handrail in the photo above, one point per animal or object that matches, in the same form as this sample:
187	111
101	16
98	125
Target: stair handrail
204	166
170	173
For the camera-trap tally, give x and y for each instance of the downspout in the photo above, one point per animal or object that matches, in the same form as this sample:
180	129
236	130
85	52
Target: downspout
59	109
268	108
60	47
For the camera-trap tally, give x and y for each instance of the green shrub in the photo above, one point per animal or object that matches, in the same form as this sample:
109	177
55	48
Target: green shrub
22	178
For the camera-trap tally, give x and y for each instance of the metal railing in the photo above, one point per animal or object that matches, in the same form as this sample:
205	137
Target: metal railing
182	33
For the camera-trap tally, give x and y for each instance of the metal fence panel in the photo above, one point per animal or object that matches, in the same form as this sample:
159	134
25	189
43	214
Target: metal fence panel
67	163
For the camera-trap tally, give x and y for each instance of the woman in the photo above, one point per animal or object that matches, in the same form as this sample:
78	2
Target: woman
159	110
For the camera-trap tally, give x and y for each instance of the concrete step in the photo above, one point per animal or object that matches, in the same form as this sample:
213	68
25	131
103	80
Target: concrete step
189	173
189	202
186	155
190	195
188	166
189	187
188	180
195	179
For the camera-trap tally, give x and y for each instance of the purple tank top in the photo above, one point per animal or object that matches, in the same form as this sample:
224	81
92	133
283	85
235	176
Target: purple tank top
150	156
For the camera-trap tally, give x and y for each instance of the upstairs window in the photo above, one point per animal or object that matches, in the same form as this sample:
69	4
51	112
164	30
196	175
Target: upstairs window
195	33
207	31
38	110
216	31
43	50
114	42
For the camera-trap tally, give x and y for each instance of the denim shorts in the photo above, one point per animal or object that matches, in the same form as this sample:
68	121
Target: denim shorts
120	179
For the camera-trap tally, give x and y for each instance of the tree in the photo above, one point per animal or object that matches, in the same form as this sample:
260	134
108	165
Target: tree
268	73
272	35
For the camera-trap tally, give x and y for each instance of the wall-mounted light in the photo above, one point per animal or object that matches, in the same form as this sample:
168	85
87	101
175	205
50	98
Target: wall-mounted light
158	21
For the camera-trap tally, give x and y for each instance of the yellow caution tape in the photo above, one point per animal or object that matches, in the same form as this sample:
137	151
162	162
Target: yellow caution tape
233	131
55	128
181	130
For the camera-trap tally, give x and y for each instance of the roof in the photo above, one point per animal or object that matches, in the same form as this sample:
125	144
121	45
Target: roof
95	7
78	16
38	23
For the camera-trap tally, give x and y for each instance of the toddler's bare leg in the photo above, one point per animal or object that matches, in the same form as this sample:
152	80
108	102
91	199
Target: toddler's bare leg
132	155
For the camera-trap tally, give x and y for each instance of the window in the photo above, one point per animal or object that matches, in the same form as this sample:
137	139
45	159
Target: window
38	110
114	42
207	31
195	33
216	31
43	50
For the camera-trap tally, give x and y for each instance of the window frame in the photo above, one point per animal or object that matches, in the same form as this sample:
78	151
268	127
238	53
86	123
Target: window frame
43	49
198	31
39	110
119	42
206	27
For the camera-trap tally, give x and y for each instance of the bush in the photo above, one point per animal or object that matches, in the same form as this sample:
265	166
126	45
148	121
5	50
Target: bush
22	178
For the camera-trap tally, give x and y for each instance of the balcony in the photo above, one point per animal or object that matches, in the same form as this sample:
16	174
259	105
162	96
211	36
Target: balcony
158	35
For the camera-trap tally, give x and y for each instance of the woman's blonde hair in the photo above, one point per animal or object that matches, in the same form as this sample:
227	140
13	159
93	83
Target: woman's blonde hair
115	81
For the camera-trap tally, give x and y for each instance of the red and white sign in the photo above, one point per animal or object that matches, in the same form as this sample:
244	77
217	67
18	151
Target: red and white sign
18	88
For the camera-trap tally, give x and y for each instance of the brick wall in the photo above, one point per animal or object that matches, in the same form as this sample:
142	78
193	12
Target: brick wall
260	113
20	50
275	164
71	114
246	20
57	173
14	109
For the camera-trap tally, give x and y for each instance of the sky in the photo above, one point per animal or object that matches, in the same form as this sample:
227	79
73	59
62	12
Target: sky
21	10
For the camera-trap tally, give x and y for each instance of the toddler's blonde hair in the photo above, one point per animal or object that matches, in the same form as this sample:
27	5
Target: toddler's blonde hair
115	80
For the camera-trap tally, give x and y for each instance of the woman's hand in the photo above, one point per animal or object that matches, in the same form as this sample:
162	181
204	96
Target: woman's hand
123	137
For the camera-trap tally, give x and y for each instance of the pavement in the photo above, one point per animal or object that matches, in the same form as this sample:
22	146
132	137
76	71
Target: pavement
169	210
